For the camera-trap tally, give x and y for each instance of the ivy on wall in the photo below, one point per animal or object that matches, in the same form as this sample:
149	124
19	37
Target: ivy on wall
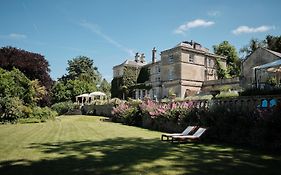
143	75
121	86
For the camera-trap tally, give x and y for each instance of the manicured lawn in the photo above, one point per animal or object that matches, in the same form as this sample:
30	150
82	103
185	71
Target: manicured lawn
85	145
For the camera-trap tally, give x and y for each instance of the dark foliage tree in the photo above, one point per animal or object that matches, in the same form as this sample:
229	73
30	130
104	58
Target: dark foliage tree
115	90
273	43
33	65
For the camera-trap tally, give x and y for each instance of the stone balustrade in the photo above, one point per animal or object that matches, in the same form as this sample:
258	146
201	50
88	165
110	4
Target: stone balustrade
241	102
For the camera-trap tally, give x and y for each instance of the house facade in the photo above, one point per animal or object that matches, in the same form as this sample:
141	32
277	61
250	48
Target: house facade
185	67
252	75
181	70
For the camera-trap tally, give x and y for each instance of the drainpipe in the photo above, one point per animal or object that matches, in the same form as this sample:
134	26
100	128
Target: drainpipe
256	78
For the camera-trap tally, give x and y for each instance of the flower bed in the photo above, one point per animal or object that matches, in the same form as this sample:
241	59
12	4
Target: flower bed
248	126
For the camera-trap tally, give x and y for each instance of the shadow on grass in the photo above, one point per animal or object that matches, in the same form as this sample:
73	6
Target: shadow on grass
141	156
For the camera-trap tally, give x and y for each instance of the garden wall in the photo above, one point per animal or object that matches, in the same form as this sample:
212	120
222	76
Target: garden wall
99	110
252	121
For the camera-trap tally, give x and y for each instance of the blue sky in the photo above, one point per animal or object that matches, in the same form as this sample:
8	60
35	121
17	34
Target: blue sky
110	31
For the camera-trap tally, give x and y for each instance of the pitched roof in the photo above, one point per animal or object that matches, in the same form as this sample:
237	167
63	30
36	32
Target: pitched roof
132	63
274	53
270	51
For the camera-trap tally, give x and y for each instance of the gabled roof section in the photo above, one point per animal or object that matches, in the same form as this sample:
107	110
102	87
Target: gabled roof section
133	63
270	51
274	53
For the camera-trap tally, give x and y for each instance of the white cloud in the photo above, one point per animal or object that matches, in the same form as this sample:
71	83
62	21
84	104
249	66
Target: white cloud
94	28
193	24
17	36
246	29
214	13
14	36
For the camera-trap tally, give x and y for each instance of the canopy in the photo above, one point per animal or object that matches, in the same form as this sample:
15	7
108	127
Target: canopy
274	64
97	93
83	95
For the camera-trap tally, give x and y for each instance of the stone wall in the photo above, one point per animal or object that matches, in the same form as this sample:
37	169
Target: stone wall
238	103
99	110
234	83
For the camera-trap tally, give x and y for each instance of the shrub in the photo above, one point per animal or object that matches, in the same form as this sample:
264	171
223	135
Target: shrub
122	113
43	113
12	108
255	91
38	115
63	107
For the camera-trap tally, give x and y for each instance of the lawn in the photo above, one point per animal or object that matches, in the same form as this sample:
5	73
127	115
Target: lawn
85	145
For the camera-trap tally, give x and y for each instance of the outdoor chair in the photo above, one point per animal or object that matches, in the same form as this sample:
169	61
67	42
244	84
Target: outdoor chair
195	136
184	133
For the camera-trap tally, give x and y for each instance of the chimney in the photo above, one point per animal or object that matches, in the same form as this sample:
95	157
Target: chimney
142	58
153	55
137	57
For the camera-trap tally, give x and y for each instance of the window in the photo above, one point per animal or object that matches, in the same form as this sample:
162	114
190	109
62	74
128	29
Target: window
209	62
171	59
170	75
191	58
159	69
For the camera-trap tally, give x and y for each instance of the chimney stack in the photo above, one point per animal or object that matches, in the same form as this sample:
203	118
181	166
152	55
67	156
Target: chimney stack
137	59
153	55
142	58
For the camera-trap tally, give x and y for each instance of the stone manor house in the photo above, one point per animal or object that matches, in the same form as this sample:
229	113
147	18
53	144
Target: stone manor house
180	71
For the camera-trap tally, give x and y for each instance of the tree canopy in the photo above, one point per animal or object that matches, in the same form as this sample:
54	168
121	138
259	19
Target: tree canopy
105	87
33	65
253	45
273	43
232	59
270	42
82	77
121	86
18	95
83	68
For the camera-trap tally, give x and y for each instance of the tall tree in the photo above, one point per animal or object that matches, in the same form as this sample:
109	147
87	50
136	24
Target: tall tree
83	68
105	87
273	43
33	65
232	59
253	45
82	77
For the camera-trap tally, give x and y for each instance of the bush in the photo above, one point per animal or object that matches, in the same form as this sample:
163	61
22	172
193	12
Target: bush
255	91
122	113
38	115
63	107
13	108
43	113
256	128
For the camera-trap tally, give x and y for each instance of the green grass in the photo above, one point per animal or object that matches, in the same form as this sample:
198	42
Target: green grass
85	145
